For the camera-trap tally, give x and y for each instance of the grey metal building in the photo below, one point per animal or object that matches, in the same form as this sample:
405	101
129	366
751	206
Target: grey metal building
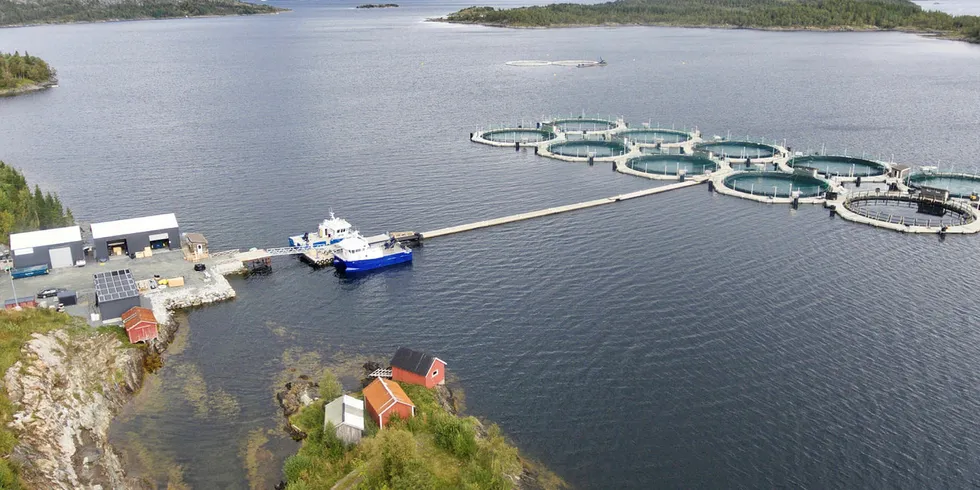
57	247
115	293
127	236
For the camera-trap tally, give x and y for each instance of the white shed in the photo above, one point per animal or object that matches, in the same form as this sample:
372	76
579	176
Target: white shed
346	413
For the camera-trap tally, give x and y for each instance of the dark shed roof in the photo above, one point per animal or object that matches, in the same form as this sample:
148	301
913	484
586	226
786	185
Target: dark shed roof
413	361
110	286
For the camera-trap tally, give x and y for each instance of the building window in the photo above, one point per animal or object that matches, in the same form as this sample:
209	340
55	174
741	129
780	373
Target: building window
435	373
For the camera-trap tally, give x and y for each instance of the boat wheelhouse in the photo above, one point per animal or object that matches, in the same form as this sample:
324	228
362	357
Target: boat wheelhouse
329	232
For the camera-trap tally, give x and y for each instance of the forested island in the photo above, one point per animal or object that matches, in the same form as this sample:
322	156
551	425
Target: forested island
19	74
902	15
377	6
14	13
23	210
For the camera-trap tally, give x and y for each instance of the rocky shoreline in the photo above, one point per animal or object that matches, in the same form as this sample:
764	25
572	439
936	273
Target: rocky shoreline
33	87
69	386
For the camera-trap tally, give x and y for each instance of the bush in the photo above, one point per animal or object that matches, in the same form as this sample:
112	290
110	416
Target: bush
295	466
309	418
329	387
453	435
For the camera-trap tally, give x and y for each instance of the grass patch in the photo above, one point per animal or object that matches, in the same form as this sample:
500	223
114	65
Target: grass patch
432	450
16	328
119	333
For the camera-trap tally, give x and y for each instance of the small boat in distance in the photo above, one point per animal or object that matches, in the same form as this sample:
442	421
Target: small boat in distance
357	255
590	64
330	231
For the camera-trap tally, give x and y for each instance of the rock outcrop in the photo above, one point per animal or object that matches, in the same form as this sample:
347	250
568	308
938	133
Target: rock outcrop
68	387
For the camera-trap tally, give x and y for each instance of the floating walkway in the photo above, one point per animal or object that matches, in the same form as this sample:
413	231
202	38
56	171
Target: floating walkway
557	210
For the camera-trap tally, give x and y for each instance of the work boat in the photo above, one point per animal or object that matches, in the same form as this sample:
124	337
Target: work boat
330	231
356	254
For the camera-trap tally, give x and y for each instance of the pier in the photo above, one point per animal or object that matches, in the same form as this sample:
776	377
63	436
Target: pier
558	209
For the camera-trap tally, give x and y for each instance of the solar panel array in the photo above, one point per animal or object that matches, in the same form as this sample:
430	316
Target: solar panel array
113	285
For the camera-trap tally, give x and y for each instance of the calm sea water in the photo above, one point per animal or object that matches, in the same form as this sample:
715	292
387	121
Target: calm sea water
682	340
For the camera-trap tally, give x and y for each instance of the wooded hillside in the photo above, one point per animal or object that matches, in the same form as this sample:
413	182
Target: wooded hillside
23	210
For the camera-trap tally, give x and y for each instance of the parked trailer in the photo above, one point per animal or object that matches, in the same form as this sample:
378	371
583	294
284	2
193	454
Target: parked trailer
36	270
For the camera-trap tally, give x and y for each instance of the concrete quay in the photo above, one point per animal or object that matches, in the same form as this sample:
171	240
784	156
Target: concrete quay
199	288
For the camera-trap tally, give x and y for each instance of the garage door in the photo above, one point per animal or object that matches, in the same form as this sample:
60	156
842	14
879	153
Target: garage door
60	257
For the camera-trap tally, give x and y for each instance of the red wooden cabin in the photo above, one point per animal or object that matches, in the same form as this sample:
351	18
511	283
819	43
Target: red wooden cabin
384	398
140	324
417	368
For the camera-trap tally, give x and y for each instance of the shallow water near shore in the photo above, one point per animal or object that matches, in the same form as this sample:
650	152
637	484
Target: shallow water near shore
679	340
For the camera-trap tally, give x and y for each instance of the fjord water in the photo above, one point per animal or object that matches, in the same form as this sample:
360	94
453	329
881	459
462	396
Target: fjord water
681	340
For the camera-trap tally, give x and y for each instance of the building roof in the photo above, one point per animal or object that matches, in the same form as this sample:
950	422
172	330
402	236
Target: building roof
43	238
134	225
900	168
345	410
113	285
136	315
383	395
195	238
413	361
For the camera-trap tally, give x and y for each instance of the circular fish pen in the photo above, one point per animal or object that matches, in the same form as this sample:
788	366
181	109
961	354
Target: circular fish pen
655	136
902	212
518	135
739	149
963	186
514	137
671	165
583	149
776	184
578	125
840	166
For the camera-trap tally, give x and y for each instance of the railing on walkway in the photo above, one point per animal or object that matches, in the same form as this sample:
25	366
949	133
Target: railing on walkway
859	202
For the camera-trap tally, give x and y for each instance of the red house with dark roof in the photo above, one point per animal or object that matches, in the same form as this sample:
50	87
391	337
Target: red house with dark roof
140	324
417	368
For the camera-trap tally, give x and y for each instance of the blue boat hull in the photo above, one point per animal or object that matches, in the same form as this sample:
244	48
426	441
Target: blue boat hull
366	265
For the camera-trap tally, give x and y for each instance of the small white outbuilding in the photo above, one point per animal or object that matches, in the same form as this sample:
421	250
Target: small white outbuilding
346	413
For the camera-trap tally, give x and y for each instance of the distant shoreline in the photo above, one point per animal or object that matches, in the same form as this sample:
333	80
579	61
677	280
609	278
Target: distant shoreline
141	19
31	87
924	33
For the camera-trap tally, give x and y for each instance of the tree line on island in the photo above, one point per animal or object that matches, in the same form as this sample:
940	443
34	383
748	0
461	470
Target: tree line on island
24	210
17	71
64	11
762	14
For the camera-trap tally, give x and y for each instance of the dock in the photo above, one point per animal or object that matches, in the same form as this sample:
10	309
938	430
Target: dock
559	209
